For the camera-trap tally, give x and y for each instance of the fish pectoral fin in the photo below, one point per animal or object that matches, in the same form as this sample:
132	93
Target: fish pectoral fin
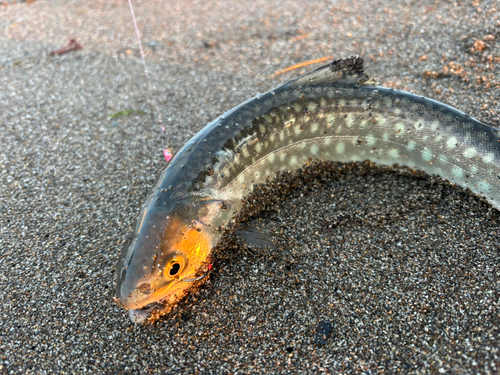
255	234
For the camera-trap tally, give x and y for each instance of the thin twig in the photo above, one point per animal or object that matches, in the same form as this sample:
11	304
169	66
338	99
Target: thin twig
302	64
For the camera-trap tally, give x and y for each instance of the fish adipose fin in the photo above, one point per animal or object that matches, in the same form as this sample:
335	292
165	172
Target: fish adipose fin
346	71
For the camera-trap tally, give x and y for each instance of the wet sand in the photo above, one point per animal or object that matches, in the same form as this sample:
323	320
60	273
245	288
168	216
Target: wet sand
403	268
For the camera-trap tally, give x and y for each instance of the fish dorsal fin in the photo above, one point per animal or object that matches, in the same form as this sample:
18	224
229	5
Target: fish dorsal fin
346	71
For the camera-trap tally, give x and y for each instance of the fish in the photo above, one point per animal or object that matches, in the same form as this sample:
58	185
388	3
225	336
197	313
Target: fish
333	113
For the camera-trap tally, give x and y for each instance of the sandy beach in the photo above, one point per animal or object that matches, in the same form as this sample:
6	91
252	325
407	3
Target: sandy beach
401	269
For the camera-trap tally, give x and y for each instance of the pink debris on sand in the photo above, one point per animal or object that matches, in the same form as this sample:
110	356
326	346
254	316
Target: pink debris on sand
168	155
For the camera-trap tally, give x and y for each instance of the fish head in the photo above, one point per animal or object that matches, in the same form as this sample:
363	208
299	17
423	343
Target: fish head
171	244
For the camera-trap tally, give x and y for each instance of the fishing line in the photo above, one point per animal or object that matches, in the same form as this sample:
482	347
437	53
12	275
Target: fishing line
166	151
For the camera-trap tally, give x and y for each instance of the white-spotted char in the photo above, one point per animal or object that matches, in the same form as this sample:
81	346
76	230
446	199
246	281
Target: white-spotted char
334	113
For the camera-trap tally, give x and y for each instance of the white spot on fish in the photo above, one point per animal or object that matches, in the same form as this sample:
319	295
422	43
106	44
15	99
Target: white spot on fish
312	106
457	172
438	138
434	125
341	103
400	128
371	140
349	120
426	154
245	152
294	160
381	121
394	153
411	145
473	169
330	119
283	157
470	152
314	127
363	124
296	129
443	158
483	185
488	158
452	142
419	124
258	147
385	137
327	141
314	149
340	148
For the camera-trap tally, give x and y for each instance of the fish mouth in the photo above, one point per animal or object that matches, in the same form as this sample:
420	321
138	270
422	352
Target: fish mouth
142	314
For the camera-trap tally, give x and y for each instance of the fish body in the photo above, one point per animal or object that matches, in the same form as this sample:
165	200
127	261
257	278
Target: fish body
334	113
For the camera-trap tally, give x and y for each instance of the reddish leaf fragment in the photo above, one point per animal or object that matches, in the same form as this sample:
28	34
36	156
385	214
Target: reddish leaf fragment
73	45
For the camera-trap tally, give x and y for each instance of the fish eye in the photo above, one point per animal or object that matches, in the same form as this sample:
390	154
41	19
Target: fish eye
174	267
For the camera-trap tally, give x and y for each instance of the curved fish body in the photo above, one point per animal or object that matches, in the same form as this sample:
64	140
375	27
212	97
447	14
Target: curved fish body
333	113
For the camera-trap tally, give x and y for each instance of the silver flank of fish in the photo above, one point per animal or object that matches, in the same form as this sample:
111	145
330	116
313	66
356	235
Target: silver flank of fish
344	123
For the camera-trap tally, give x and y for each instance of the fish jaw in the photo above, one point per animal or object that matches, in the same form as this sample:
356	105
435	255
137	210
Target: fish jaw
139	316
